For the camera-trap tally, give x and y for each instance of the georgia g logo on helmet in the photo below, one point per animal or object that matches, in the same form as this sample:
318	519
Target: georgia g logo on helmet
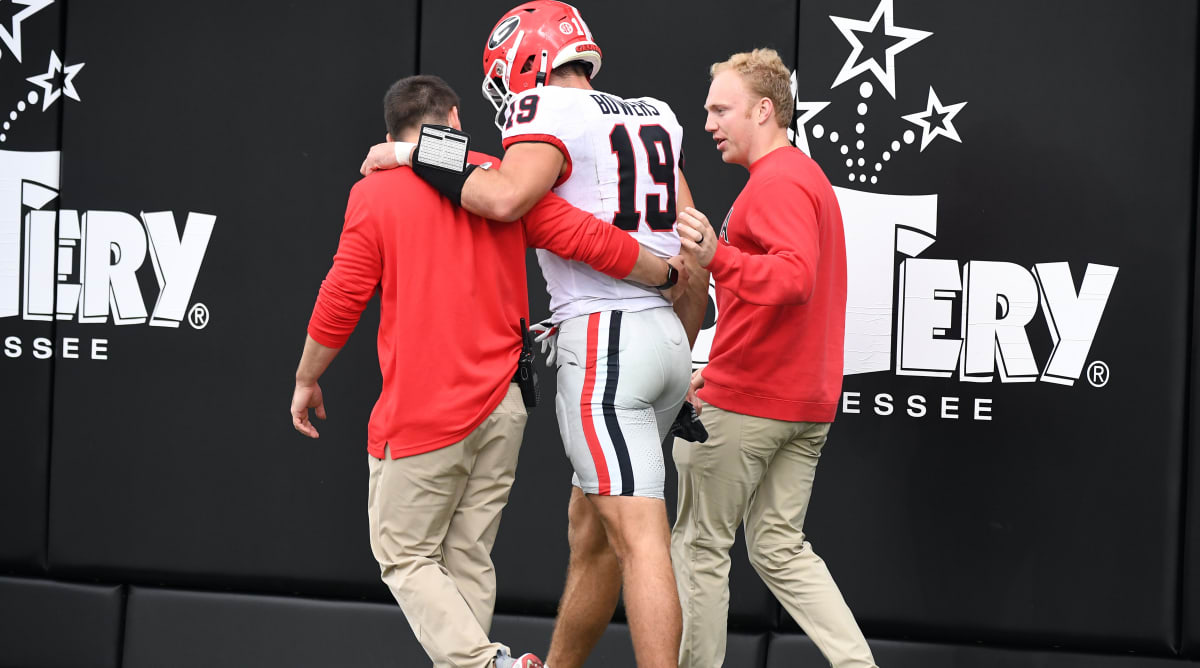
503	31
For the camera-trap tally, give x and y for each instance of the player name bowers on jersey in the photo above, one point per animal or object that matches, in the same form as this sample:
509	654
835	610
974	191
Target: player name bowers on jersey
615	105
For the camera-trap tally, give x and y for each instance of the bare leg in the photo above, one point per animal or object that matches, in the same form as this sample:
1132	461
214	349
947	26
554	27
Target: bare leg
593	587
637	530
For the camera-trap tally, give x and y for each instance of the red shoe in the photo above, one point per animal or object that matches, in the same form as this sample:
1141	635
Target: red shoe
504	660
527	661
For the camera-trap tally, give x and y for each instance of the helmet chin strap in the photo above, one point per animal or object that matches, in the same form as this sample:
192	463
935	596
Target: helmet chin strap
544	74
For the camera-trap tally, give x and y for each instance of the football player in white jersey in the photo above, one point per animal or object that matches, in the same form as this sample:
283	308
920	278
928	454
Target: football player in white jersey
623	354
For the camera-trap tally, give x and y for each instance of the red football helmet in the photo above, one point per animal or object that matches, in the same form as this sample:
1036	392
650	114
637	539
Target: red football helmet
528	42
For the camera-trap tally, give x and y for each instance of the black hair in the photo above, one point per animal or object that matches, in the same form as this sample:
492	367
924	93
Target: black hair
414	100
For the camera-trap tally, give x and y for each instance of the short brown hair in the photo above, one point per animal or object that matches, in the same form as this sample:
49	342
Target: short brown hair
574	67
766	76
414	100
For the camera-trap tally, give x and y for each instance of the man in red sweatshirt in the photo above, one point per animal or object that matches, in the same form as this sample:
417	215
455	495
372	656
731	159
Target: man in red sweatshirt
771	387
444	435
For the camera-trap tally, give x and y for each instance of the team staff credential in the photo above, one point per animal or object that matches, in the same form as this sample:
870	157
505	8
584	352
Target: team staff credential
770	389
444	435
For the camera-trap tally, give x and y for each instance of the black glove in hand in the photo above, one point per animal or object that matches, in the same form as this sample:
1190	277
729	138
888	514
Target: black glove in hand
688	425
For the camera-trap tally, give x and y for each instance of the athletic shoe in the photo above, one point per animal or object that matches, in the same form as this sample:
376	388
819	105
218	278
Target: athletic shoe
504	660
528	661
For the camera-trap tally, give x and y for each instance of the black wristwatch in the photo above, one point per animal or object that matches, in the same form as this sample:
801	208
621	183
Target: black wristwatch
672	278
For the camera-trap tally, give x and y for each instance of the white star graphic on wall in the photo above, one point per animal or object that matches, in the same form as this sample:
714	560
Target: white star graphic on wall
901	38
937	119
12	36
49	80
804	111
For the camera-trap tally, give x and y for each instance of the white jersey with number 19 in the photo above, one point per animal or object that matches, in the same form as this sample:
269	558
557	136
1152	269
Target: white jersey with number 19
622	164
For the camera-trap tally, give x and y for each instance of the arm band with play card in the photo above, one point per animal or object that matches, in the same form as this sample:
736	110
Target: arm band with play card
441	160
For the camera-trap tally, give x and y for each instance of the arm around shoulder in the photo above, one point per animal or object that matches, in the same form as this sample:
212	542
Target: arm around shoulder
572	233
508	191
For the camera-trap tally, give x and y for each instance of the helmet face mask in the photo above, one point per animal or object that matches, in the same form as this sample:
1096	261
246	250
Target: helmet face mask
527	44
495	91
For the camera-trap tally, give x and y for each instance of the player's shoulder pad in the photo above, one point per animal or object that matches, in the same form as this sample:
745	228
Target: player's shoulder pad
661	105
549	110
551	93
553	99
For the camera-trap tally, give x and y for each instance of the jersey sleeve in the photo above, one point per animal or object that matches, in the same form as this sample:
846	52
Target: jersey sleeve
548	115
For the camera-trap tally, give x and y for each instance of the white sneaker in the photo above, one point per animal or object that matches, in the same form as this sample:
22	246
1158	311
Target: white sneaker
528	661
504	660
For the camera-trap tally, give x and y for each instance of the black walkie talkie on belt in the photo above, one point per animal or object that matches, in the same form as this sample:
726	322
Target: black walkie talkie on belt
526	376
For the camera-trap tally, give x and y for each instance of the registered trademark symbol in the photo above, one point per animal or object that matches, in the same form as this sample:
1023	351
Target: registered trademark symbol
1097	374
198	316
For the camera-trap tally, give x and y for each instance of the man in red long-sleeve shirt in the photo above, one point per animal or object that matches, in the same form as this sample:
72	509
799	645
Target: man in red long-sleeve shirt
444	435
771	387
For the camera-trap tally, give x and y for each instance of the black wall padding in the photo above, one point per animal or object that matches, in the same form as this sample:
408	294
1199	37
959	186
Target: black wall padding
1190	590
186	629
24	475
176	457
1057	521
29	170
796	651
1191	585
45	624
194	630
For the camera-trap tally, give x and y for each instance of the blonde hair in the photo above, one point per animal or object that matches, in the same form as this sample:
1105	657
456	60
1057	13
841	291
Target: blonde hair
766	76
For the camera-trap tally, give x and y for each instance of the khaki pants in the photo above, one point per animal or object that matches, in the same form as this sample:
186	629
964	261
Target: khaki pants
434	518
758	471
